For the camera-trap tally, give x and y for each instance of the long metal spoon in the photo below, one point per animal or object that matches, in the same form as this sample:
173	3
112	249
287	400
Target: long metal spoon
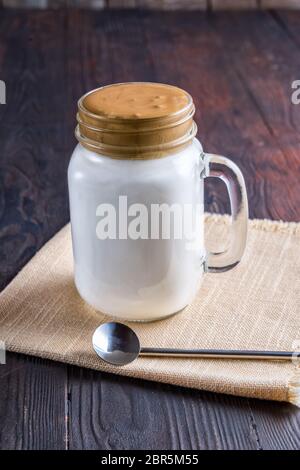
119	345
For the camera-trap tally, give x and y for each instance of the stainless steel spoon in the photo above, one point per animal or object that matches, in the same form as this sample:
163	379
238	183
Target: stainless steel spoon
119	345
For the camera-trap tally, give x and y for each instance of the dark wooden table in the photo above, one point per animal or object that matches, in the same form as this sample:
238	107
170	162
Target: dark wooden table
239	68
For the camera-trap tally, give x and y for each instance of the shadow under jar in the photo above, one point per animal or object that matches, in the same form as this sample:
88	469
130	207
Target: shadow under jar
136	183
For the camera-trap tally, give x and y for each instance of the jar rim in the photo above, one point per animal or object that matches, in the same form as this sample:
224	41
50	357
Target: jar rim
137	153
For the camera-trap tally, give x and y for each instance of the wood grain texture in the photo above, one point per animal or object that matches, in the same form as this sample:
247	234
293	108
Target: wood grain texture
290	23
122	3
35	153
293	4
173	4
277	427
233	4
25	3
155	4
240	80
263	76
121	414
32	404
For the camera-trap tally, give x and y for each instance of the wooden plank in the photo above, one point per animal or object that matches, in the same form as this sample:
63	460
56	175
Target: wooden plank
94	4
111	39
117	413
276	60
26	3
290	23
33	206
233	4
34	163
293	4
173	4
266	75
122	4
155	4
32	404
277	426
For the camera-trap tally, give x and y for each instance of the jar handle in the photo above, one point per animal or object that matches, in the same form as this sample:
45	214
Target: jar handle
220	167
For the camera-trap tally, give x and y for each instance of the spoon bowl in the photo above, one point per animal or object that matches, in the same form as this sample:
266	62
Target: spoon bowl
116	343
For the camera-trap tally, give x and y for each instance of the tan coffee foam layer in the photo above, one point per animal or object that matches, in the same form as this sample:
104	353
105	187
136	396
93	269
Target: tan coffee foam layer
136	100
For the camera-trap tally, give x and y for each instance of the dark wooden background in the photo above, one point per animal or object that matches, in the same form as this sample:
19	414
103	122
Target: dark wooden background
155	4
239	69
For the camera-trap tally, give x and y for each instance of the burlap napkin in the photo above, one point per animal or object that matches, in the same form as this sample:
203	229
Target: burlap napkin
254	306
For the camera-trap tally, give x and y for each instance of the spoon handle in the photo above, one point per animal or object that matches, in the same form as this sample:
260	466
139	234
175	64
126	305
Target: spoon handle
219	353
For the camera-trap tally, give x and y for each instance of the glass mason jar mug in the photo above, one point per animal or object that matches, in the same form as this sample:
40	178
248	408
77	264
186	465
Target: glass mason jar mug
136	185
